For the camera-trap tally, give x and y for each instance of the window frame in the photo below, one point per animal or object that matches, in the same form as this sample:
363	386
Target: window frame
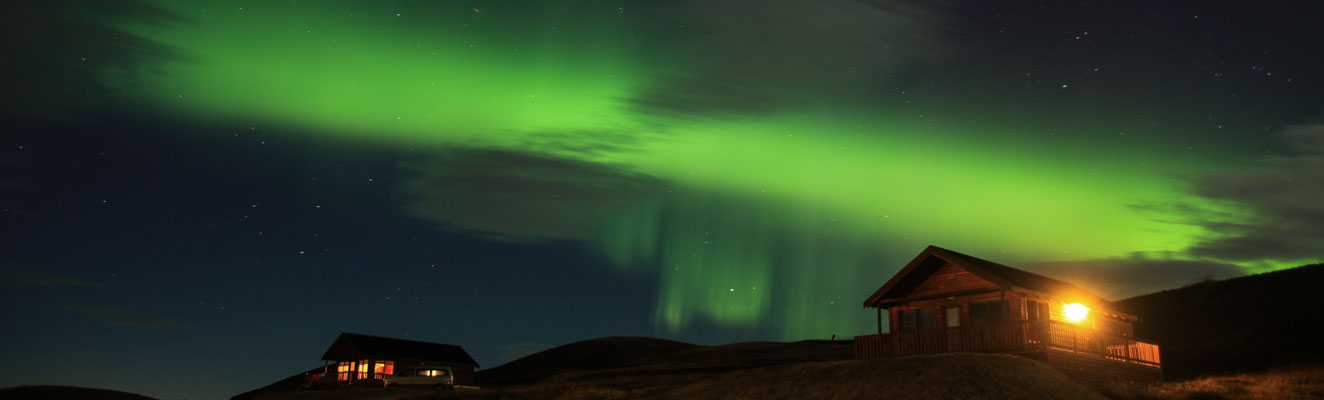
983	312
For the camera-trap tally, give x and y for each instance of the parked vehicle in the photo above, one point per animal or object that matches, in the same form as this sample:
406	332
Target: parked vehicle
438	376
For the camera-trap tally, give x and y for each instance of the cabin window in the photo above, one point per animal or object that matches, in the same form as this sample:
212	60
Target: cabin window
431	372
953	317
919	319
988	312
342	370
363	370
383	368
1036	310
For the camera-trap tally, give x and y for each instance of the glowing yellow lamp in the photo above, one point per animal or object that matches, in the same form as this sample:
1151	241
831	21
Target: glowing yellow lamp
1075	312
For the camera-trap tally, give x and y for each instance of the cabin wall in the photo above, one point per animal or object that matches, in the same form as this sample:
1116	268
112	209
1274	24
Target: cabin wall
950	279
940	305
464	375
1098	319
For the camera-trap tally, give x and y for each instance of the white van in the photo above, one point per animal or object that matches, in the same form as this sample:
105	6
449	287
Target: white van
438	376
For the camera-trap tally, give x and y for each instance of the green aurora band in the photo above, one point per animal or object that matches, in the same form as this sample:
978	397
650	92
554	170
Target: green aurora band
779	221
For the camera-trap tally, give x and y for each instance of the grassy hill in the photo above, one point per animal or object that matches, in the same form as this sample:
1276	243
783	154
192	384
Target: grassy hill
587	355
940	376
817	370
716	359
1244	324
66	392
293	382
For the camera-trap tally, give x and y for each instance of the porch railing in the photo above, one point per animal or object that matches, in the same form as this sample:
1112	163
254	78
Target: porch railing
1008	336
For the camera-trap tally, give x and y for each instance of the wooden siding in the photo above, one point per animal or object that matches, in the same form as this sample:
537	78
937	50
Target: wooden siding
949	279
963	302
996	337
1090	351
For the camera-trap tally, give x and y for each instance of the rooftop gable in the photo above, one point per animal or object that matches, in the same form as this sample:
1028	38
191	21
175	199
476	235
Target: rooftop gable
1002	276
354	345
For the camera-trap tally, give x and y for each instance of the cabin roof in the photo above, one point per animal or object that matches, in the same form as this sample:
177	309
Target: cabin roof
356	346
1007	278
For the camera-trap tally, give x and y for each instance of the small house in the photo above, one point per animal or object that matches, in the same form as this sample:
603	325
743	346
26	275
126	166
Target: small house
362	359
945	301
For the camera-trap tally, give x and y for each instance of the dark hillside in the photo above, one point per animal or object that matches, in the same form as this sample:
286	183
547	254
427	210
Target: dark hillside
1237	325
717	359
293	382
608	352
66	392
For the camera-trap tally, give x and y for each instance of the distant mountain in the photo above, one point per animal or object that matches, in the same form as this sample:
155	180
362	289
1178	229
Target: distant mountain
592	354
66	392
1244	324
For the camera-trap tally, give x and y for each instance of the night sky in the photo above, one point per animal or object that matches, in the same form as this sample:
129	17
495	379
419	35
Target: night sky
199	196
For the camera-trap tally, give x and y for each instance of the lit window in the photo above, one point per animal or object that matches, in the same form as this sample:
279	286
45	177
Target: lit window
383	368
343	369
363	370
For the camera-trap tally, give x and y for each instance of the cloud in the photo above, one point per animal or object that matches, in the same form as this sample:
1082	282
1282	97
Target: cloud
755	58
125	317
1141	273
1278	204
517	196
27	277
65	56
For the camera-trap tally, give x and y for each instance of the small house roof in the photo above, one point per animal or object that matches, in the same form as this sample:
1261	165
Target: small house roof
1007	278
350	346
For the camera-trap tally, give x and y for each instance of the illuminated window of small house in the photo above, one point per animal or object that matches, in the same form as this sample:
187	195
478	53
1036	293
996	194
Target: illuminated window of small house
383	368
342	370
432	372
363	369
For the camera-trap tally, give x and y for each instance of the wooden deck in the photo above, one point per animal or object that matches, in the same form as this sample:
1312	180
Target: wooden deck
1083	353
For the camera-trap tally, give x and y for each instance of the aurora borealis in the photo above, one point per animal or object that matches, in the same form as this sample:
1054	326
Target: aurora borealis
230	184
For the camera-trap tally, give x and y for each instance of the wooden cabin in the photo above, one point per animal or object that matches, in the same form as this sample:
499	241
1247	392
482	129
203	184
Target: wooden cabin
362	359
944	301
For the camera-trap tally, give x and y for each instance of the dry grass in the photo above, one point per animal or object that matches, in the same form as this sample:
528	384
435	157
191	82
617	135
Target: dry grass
942	376
53	392
946	376
366	393
1286	384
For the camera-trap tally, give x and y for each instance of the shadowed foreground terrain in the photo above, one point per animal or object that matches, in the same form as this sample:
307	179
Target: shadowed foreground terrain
942	376
66	393
587	355
1246	324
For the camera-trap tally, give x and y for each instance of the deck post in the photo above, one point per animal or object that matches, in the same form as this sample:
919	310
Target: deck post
879	311
1075	346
